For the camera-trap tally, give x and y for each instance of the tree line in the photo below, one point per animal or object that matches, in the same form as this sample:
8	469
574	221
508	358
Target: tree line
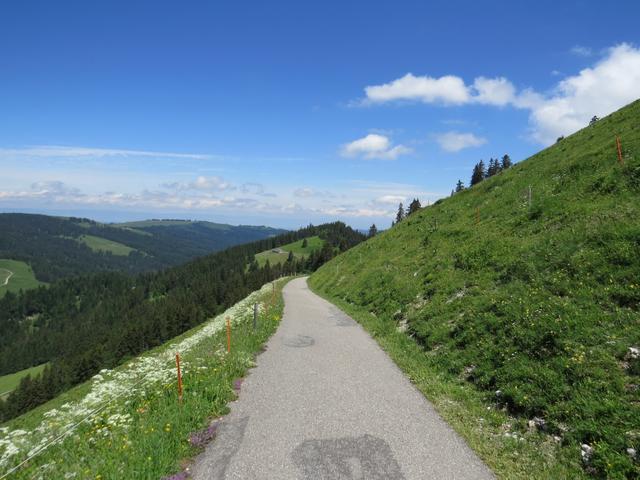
83	324
482	171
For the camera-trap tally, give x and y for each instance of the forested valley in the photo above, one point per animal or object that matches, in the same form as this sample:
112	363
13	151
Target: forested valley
83	324
54	246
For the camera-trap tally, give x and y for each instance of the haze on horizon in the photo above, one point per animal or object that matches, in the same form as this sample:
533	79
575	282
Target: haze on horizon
284	114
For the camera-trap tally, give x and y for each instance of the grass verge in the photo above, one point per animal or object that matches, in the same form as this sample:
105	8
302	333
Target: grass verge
145	432
489	431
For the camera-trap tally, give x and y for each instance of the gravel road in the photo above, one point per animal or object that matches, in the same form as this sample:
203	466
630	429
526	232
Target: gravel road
324	403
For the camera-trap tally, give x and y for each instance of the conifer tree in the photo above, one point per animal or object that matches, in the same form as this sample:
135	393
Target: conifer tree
478	173
414	206
290	258
373	230
304	243
506	162
400	214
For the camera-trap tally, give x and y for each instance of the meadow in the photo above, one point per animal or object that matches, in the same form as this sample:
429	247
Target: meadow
99	244
313	244
16	276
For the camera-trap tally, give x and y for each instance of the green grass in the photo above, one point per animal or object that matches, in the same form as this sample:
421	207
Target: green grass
99	244
539	303
313	244
11	381
155	442
19	275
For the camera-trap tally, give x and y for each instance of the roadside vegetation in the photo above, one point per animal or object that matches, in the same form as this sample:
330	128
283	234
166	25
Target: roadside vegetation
16	276
519	306
129	422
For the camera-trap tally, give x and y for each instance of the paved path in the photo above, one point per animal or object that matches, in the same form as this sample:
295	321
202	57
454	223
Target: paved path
325	403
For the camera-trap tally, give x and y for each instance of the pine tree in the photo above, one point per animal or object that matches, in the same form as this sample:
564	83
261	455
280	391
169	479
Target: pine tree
414	206
290	258
400	214
506	162
478	173
459	186
304	243
491	169
373	230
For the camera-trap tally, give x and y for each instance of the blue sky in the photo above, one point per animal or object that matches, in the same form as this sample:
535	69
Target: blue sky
285	113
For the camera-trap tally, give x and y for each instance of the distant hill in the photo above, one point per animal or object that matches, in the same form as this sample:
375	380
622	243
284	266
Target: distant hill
526	287
57	247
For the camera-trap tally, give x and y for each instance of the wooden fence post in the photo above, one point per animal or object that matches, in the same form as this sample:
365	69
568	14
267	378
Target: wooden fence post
619	147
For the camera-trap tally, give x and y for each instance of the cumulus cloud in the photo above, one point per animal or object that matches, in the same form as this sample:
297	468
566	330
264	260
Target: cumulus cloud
374	146
448	90
609	84
493	91
455	141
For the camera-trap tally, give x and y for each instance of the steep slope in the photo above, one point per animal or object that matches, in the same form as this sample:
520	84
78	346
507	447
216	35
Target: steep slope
57	247
534	302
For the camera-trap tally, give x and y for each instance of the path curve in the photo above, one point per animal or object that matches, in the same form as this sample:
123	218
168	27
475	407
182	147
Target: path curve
6	280
326	403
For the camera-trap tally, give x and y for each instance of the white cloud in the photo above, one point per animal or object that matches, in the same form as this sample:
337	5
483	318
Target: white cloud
56	151
202	183
493	91
374	146
581	51
611	83
448	90
455	141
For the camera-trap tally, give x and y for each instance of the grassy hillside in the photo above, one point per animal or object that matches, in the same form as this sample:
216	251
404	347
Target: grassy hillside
281	254
11	381
99	244
534	306
16	276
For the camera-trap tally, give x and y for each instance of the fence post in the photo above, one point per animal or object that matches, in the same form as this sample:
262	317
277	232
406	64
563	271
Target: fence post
228	335
179	377
255	316
529	196
619	147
